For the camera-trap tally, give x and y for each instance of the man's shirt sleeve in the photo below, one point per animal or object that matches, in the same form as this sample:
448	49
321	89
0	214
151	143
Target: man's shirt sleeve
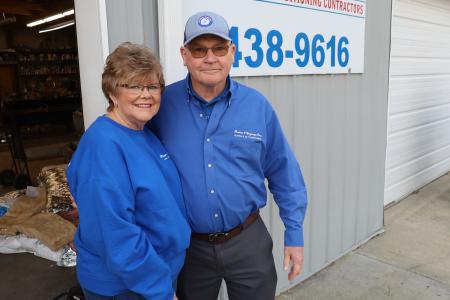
285	182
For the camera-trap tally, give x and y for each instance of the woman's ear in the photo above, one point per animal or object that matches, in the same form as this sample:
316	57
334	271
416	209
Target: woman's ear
114	99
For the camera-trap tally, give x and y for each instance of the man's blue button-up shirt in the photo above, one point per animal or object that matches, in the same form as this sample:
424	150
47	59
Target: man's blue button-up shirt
224	158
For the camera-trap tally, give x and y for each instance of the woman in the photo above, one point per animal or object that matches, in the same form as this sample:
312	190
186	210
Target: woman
132	235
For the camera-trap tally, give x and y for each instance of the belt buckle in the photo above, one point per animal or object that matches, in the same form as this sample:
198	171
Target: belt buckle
213	236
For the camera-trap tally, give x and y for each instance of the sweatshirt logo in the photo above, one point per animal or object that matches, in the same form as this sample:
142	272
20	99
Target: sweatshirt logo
164	156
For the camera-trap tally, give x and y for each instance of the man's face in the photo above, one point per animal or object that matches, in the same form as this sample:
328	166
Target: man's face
210	71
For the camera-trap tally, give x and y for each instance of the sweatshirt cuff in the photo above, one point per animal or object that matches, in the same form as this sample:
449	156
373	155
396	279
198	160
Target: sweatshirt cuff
293	238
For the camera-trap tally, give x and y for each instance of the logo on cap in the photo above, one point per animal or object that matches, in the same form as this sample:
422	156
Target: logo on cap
205	21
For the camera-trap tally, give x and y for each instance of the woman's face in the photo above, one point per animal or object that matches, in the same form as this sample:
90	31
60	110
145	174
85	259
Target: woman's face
137	102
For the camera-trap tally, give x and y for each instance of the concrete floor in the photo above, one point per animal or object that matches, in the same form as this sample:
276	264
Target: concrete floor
24	276
409	261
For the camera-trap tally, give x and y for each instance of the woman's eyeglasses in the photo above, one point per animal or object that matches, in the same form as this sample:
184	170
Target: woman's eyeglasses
138	89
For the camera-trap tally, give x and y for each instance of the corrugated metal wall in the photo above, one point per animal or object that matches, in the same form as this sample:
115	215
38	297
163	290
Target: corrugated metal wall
135	21
419	96
337	127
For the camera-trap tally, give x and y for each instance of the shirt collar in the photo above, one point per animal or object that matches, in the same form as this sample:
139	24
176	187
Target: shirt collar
225	94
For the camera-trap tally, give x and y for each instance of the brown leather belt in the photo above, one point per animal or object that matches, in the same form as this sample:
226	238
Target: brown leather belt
221	237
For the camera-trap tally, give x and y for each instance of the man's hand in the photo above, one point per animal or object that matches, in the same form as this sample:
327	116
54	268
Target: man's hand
293	256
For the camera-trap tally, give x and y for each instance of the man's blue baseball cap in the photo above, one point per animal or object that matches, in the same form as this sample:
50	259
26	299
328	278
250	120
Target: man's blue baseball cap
206	22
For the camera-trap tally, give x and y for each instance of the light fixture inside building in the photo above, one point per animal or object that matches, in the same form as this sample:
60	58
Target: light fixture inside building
58	26
51	18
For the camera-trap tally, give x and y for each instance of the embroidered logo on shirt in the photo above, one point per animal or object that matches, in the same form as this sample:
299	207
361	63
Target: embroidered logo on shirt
164	156
247	135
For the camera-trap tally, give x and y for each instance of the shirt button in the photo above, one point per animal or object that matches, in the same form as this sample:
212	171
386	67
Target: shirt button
209	165
212	191
201	115
208	140
216	215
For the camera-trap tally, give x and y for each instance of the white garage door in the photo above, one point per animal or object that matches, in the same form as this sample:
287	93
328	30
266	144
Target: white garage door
418	146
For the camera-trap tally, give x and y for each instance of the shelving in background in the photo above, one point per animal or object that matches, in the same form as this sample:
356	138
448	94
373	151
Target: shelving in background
41	73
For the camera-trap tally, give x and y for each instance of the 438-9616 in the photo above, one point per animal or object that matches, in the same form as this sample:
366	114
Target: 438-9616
316	49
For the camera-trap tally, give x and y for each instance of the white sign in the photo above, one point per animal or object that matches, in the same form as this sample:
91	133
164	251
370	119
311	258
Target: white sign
287	37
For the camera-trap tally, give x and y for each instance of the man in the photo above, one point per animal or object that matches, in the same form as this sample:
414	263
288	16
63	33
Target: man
226	140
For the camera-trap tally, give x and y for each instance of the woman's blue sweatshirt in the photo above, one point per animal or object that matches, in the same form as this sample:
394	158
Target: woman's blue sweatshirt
133	232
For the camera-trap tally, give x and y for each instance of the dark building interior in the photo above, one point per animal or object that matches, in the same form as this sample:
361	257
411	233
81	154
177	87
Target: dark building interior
40	122
39	87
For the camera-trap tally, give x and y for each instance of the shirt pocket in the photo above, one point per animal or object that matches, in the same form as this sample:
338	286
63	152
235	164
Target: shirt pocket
246	157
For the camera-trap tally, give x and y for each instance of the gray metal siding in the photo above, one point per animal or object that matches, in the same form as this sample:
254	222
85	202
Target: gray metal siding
135	21
336	125
419	96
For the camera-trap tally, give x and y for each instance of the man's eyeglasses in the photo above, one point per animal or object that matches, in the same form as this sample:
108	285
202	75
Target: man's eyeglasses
138	89
200	52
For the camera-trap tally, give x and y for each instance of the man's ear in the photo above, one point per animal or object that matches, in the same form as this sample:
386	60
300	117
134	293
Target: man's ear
232	50
183	54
